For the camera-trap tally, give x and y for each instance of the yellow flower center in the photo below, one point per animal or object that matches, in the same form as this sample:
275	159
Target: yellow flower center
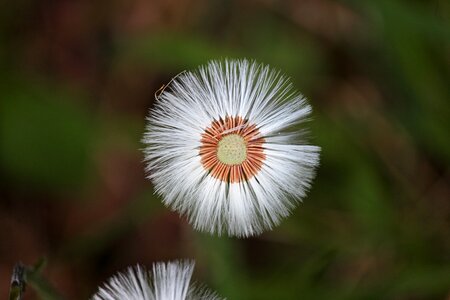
232	149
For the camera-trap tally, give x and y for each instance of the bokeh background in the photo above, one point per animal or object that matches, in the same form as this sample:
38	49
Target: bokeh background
77	79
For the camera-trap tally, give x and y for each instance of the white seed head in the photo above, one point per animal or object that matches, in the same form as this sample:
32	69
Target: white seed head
224	147
166	281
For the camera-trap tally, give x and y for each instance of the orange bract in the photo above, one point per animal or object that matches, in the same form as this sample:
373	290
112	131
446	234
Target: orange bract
254	146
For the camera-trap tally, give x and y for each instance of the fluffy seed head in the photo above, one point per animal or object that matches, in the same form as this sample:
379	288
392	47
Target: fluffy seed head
225	146
166	281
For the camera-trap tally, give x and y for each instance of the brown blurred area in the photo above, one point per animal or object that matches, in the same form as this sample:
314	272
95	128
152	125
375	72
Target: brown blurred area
71	42
376	224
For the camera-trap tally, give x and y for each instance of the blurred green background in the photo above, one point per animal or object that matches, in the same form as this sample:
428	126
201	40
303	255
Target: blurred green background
77	79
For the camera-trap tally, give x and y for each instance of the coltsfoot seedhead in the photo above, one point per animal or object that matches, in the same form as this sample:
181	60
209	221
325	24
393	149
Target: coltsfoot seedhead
224	147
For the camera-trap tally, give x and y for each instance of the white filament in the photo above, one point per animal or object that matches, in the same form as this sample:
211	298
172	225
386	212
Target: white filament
188	106
166	281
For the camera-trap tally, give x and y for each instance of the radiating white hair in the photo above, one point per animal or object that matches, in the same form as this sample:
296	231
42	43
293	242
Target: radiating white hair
166	281
262	110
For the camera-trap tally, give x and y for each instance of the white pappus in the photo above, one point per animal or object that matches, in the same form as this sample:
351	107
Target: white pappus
166	281
225	146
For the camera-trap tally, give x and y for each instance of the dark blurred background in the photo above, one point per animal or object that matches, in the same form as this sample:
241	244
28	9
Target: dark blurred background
77	79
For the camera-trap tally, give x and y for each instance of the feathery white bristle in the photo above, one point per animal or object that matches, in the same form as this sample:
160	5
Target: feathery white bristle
166	281
173	136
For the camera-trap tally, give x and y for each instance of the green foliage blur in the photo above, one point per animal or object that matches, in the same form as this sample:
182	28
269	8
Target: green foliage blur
77	79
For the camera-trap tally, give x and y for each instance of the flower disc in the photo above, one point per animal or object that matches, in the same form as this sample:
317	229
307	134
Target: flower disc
231	150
